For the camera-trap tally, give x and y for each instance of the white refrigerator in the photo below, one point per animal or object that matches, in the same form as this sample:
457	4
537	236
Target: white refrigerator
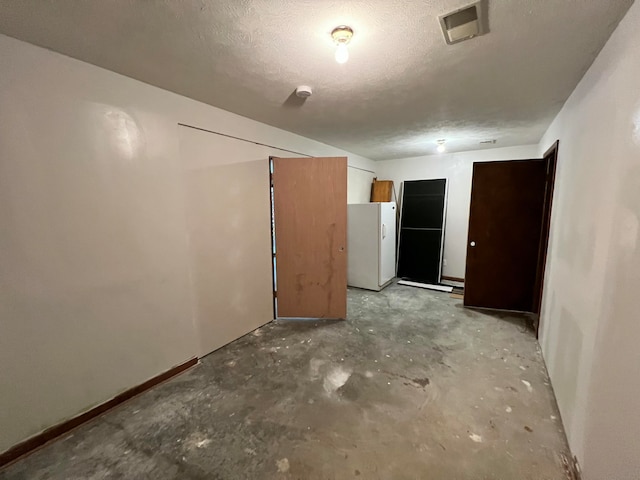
371	243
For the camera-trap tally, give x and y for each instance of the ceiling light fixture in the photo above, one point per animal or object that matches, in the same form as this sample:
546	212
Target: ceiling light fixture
441	147
342	36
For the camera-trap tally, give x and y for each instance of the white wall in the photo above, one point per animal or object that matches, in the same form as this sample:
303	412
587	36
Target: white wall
590	320
97	293
359	185
457	168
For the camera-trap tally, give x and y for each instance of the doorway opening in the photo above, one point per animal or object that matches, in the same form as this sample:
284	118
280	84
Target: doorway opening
274	275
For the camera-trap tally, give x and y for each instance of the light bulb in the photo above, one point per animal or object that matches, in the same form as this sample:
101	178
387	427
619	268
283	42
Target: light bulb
342	54
441	148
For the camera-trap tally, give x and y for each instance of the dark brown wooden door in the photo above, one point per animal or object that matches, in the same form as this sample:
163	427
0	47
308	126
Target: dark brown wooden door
310	215
505	222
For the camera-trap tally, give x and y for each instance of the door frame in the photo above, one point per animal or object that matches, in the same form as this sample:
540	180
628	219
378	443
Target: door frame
551	157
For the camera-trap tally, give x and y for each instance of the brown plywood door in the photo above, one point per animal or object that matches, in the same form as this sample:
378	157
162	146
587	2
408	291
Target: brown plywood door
310	217
505	223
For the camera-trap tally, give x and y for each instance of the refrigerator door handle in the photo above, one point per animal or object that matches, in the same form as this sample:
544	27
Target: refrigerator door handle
384	231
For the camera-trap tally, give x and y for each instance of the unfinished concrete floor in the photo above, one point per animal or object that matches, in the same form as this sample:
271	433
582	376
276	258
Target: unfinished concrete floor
412	386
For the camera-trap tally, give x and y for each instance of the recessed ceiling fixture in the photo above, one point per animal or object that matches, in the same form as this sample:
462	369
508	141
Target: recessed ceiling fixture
441	147
342	36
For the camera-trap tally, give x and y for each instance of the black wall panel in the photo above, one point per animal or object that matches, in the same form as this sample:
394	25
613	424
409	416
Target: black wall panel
422	230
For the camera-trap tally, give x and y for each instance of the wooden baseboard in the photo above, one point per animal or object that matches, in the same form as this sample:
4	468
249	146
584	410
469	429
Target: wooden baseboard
39	440
453	279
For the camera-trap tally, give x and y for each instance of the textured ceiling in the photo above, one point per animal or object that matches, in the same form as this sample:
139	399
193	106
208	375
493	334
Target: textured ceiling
402	89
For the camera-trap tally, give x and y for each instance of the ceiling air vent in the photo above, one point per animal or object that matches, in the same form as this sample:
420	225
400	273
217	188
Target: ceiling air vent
465	23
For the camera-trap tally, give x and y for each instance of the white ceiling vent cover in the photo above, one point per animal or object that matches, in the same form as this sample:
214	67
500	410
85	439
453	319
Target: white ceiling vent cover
464	23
